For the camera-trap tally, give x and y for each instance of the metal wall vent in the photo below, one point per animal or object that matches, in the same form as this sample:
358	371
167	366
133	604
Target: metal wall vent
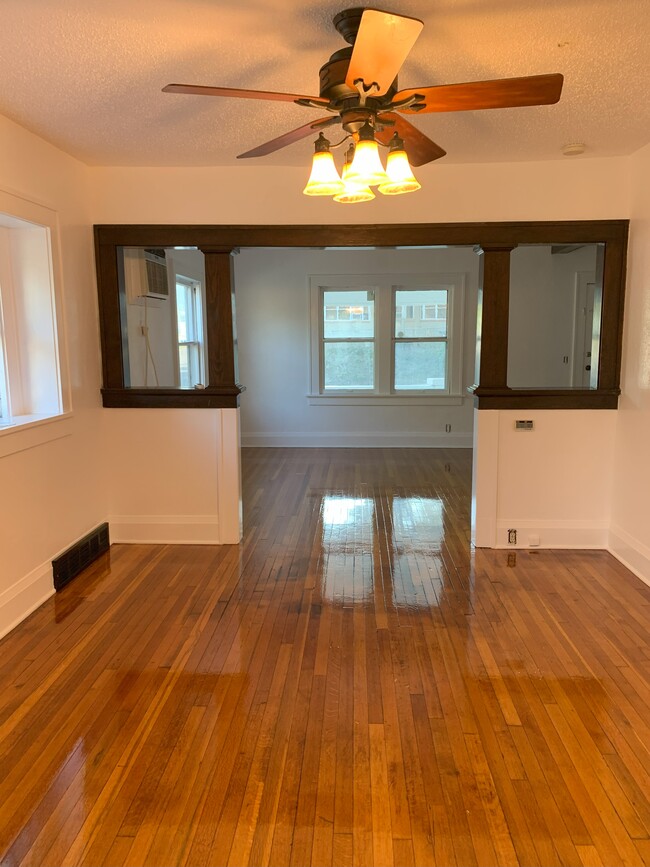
78	556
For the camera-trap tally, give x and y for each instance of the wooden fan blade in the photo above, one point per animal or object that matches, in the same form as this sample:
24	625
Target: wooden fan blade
501	93
381	47
204	90
289	137
419	147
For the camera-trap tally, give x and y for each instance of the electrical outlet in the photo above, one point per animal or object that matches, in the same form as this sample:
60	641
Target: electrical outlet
512	537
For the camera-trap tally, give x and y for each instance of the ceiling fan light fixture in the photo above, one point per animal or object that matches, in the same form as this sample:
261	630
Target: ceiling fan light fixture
400	174
324	179
366	168
353	192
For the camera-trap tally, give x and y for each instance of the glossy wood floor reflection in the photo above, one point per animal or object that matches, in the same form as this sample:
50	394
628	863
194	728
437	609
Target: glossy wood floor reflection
351	685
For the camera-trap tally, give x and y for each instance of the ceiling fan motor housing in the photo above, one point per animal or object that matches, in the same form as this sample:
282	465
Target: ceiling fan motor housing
334	88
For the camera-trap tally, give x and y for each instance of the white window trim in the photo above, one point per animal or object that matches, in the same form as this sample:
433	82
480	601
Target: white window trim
198	323
16	207
384	286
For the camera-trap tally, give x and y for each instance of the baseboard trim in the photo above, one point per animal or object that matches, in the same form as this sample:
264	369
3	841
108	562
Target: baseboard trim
365	439
165	529
553	534
634	555
26	595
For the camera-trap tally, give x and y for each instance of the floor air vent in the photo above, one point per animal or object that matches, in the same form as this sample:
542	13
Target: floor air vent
80	555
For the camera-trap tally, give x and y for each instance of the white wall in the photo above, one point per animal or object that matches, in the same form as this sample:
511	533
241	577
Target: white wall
553	482
273	324
578	189
630	531
52	477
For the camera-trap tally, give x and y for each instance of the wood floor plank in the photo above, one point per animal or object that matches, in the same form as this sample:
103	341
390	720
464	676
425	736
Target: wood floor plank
352	684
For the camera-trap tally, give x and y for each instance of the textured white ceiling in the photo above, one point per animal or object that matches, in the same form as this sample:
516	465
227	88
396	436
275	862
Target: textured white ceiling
87	74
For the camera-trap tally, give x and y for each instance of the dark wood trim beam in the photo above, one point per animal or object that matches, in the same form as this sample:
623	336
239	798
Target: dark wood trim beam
110	329
494	294
496	240
521	398
219	287
158	398
384	235
611	329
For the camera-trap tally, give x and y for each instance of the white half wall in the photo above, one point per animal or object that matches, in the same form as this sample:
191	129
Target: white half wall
551	484
175	475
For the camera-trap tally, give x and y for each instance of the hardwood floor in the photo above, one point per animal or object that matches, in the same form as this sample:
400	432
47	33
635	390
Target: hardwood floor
350	685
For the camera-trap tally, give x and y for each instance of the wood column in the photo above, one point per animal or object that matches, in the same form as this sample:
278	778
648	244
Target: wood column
492	327
220	325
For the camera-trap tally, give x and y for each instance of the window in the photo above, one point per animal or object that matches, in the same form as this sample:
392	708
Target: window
348	340
30	383
419	344
189	315
387	336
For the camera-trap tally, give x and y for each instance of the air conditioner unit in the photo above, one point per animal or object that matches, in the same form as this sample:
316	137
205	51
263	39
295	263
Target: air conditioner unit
145	274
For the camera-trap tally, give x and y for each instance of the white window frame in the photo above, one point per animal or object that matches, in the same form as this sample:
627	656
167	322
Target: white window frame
17	212
197	323
384	286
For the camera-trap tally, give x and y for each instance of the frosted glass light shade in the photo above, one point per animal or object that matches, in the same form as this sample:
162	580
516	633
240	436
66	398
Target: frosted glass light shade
352	192
324	180
366	168
400	175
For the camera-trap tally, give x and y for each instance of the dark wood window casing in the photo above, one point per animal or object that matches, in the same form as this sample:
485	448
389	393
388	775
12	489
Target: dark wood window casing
494	243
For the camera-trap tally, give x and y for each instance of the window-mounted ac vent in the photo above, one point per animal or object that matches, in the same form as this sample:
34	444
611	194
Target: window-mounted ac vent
80	555
156	271
145	274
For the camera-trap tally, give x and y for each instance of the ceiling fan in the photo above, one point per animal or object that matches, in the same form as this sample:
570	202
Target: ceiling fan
358	88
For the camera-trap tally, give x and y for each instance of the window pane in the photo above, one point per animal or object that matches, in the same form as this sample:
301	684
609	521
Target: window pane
349	366
349	313
184	364
184	312
420	365
420	313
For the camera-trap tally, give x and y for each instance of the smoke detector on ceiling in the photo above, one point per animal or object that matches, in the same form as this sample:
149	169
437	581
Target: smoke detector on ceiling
573	150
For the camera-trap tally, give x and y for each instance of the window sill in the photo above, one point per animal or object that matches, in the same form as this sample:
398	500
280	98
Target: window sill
385	400
28	431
